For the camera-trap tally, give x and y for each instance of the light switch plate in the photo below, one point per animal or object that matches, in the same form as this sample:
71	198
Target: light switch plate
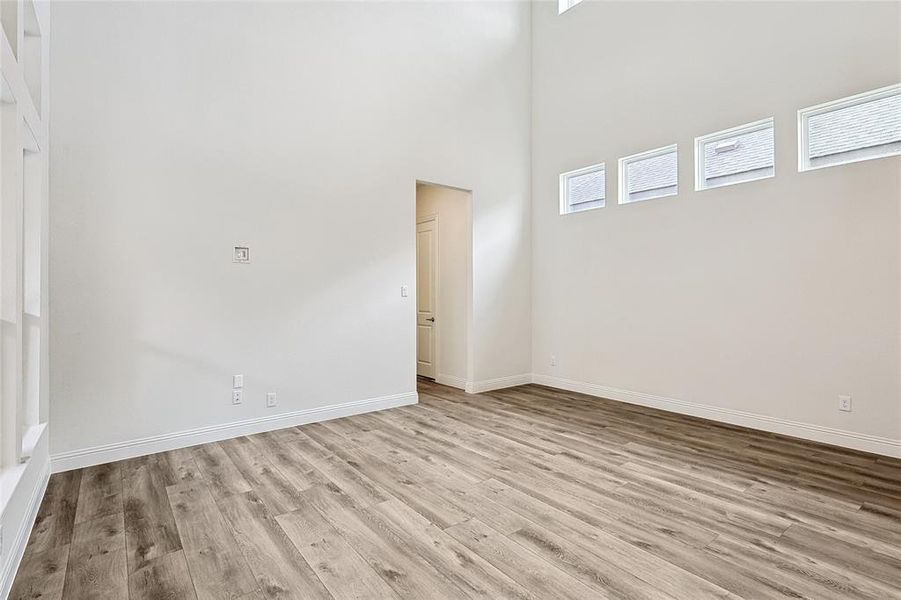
238	381
404	291
271	400
241	255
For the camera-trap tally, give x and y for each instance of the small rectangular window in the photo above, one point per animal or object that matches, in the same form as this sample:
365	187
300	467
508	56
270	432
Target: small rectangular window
851	129
648	175
565	5
735	155
583	189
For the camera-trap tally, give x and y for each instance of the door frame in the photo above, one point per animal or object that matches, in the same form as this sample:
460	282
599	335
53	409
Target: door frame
468	260
436	313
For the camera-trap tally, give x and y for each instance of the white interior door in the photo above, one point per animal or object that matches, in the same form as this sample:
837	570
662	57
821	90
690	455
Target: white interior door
426	296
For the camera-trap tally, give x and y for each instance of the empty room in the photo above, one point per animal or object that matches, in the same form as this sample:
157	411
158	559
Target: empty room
450	299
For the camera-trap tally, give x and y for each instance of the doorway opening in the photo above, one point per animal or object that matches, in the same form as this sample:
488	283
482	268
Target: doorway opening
443	283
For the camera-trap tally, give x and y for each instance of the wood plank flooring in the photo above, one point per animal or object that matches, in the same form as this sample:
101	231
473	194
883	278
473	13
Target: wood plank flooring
528	493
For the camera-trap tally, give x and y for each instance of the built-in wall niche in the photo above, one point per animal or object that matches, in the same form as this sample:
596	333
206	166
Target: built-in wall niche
11	302
31	379
22	249
11	392
9	19
31	223
11	167
32	194
24	377
31	53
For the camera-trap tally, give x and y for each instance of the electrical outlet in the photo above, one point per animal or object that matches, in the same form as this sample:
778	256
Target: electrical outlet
237	396
553	361
237	381
844	403
271	400
404	291
241	254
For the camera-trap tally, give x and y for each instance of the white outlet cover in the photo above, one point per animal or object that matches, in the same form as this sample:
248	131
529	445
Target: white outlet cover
271	399
241	255
237	396
238	381
404	291
844	403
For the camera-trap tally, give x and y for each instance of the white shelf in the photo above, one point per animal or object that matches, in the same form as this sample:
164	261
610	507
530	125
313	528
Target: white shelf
23	224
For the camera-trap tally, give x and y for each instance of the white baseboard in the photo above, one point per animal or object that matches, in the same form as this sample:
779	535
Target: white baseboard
96	455
13	554
807	431
450	380
487	385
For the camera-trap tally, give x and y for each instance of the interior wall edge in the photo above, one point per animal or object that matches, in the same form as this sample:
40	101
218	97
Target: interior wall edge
487	385
451	381
96	455
807	431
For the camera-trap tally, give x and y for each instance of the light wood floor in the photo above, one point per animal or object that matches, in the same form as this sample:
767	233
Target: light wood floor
521	493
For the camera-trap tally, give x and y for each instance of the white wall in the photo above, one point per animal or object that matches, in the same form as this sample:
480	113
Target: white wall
451	206
771	297
183	129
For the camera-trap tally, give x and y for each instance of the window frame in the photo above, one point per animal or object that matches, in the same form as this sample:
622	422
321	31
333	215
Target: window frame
804	115
702	141
564	179
622	195
565	5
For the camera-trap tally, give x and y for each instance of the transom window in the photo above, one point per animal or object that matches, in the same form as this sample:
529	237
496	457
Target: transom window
648	175
852	129
565	5
583	189
735	155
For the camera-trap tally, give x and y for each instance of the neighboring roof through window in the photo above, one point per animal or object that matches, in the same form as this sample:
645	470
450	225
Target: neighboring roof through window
864	125
647	175
653	173
735	155
851	129
746	152
583	189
